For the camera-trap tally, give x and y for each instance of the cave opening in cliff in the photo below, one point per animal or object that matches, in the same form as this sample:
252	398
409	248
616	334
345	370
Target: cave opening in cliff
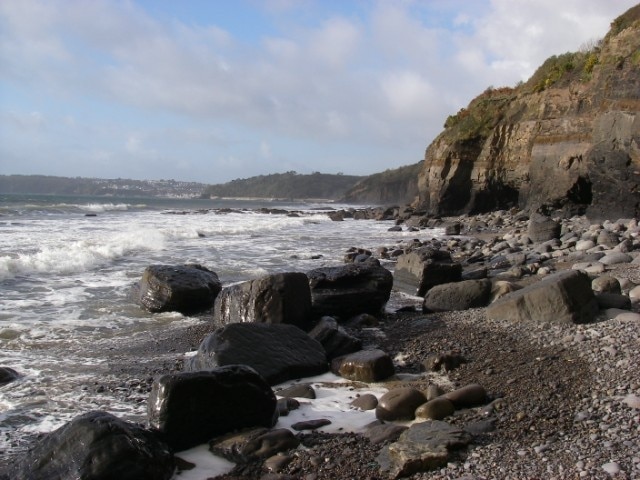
580	193
497	197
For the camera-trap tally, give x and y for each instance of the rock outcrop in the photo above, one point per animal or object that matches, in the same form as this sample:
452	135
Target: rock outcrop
350	290
179	288
278	352
568	138
277	298
98	446
191	408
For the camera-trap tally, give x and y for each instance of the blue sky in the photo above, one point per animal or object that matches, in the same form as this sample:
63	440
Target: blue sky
216	90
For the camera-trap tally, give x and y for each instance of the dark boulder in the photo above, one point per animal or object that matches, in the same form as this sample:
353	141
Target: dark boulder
350	290
364	366
458	296
542	228
252	444
178	288
191	408
564	297
418	271
424	446
335	339
278	352
8	375
399	404
279	298
97	446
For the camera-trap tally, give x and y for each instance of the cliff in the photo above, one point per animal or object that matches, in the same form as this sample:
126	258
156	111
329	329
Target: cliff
568	138
398	185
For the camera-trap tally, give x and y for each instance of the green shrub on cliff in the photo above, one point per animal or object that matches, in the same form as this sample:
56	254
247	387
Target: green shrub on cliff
482	115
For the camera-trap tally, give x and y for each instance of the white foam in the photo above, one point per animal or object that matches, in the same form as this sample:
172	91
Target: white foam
207	464
104	207
333	402
80	255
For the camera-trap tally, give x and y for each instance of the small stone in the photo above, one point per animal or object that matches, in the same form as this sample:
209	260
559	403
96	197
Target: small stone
468	396
302	390
365	402
277	462
435	409
632	400
311	424
399	404
612	468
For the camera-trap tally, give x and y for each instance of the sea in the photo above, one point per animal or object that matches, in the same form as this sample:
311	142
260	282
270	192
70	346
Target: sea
68	263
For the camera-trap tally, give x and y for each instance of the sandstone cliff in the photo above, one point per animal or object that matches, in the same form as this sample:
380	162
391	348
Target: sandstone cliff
569	138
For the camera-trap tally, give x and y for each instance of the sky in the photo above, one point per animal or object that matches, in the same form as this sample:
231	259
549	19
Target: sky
214	90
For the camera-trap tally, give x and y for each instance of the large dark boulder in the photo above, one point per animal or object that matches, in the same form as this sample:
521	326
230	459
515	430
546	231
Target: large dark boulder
420	270
458	296
350	290
97	446
278	352
542	228
335	339
8	375
191	408
279	298
181	288
564	297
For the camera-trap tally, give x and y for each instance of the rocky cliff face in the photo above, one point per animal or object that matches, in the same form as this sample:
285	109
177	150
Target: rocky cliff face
567	139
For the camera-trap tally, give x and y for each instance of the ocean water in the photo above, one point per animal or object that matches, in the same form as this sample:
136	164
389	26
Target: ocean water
67	265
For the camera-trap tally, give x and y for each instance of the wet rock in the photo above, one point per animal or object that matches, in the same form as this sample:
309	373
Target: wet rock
383	432
502	288
311	424
458	296
278	298
179	288
248	445
615	258
97	446
399	404
365	402
364	366
612	300
350	290
433	391
564	297
335	339
193	407
286	405
470	395
278	352
606	284
424	446
542	228
436	409
420	270
301	390
8	375
444	361
452	228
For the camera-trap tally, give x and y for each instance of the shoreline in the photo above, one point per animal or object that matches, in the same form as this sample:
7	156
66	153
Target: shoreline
557	391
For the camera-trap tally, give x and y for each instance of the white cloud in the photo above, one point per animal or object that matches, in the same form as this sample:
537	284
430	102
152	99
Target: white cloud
408	94
369	87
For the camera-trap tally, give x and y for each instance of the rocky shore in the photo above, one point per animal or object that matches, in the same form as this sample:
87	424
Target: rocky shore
560	398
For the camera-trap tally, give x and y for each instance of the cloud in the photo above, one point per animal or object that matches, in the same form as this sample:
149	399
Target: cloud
367	84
